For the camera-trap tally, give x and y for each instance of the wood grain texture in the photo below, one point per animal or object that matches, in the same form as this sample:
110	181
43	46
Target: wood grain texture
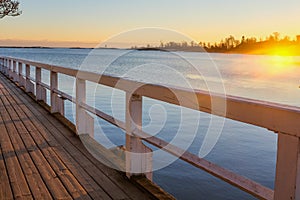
42	159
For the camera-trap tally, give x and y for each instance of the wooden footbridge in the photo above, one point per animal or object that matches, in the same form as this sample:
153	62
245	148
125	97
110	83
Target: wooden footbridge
42	158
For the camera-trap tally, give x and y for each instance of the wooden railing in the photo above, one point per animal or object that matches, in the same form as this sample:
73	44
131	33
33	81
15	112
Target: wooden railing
283	120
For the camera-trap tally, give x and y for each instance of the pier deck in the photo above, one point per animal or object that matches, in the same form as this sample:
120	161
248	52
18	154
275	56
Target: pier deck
42	159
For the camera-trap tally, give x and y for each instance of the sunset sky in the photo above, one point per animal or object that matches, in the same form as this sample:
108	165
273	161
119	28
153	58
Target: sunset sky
87	23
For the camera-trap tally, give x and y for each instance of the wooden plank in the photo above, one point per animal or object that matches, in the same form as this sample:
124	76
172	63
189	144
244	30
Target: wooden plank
106	180
33	171
59	168
98	193
38	158
93	189
5	189
92	170
59	165
75	148
91	165
17	179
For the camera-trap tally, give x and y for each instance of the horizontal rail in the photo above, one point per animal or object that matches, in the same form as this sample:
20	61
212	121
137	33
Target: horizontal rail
65	95
45	85
239	181
245	110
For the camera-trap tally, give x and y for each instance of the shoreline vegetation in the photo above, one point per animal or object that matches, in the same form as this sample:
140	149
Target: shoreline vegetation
272	45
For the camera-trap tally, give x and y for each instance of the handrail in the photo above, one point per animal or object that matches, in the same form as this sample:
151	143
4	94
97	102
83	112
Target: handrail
279	118
259	115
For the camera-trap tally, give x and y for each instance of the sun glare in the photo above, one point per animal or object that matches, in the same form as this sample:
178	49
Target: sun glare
280	52
278	65
282	61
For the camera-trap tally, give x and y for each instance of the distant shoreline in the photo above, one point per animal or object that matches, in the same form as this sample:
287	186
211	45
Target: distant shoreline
199	50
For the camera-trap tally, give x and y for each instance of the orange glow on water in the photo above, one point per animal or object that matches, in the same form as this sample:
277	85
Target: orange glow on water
275	66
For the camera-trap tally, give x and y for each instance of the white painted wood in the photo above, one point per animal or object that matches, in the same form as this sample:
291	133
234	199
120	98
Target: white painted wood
40	90
60	105
245	110
29	86
4	66
1	63
20	79
80	112
138	156
15	76
54	103
89	125
160	92
84	121
38	79
10	68
287	168
7	67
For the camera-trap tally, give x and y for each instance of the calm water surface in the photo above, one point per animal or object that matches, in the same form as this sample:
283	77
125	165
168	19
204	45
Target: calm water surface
244	149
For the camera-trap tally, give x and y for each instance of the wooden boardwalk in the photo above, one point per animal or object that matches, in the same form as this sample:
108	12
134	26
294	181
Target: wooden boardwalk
42	159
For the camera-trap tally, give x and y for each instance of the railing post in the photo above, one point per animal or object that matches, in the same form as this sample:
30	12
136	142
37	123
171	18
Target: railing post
1	64
10	69
287	181
29	86
57	103
84	121
15	71
138	156
21	78
40	91
7	67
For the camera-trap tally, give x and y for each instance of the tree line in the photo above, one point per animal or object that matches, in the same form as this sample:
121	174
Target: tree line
229	43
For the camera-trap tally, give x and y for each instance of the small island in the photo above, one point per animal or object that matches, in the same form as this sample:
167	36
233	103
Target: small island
272	45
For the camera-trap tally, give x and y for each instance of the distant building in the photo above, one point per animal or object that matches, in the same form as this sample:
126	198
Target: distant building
298	38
